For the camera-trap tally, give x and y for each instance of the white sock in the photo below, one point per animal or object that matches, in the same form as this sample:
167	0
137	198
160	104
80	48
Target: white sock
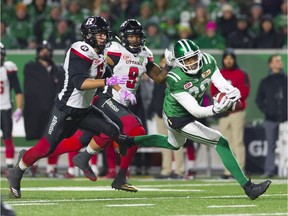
22	166
71	170
50	168
9	161
95	169
90	150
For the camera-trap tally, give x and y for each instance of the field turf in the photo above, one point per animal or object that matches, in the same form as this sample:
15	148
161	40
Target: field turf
63	197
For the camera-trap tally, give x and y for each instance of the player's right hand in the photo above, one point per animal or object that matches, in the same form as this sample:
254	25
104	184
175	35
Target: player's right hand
116	79
221	106
126	96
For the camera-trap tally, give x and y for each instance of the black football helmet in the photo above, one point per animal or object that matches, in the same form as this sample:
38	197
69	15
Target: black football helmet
132	27
3	53
93	25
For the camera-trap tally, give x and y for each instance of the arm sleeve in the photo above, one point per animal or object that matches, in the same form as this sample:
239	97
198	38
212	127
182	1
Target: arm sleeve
191	105
14	82
220	82
78	70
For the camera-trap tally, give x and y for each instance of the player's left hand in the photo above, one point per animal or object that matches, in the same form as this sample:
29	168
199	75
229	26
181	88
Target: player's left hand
115	79
233	94
17	114
126	96
170	60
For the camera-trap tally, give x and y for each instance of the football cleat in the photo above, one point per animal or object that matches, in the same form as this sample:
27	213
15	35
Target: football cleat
124	142
120	182
14	180
84	166
255	190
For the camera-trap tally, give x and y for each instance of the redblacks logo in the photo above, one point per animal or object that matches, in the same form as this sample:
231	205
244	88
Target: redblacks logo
125	57
188	85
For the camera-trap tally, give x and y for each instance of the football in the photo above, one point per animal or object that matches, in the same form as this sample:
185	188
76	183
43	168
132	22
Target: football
237	105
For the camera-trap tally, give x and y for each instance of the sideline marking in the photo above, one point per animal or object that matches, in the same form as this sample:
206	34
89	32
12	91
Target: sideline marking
245	214
35	203
230	206
130	205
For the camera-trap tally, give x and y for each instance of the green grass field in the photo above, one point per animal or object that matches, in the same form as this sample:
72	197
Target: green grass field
41	196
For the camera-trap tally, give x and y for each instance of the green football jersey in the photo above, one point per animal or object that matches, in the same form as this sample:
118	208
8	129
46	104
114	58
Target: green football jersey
196	85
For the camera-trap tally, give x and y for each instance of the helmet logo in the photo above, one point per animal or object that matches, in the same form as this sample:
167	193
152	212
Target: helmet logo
90	21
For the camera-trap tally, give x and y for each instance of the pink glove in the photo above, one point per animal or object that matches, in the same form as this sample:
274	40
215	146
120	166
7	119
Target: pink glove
115	79
127	96
17	114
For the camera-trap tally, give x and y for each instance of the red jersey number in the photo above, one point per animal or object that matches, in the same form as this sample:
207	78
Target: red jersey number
133	74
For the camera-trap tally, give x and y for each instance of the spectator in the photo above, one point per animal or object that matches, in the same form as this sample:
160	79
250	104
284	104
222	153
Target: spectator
7	10
145	14
8	40
268	38
271	7
155	38
64	35
75	14
215	8
227	22
212	39
234	132
256	12
21	26
271	99
155	112
185	31
122	10
241	37
282	18
9	81
42	81
170	26
45	26
198	23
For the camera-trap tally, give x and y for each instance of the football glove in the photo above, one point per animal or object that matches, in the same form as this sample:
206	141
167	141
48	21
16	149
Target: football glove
115	79
221	106
126	96
17	114
170	60
233	94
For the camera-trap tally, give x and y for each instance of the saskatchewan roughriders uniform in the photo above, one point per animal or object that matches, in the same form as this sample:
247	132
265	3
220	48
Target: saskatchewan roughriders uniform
186	83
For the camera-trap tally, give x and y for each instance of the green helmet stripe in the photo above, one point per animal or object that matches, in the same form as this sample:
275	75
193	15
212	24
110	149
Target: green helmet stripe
187	44
183	46
205	59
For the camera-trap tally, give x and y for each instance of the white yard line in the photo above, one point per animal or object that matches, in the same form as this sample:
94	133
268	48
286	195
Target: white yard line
129	205
32	204
230	206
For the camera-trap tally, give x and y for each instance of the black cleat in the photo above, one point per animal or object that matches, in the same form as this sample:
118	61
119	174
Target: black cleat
255	190
120	182
14	179
84	166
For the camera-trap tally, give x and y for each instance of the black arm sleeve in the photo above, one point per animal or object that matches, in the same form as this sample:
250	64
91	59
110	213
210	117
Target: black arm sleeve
14	82
78	70
108	72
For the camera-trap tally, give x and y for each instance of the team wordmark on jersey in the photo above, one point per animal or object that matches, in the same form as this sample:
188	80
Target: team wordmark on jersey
52	125
206	73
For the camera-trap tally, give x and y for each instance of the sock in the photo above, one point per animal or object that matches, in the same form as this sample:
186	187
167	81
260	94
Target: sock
94	159
71	170
230	162
190	151
154	140
111	157
50	168
52	159
9	148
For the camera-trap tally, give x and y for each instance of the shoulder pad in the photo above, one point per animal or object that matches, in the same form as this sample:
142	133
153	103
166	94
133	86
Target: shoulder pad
148	53
84	49
10	66
114	49
208	59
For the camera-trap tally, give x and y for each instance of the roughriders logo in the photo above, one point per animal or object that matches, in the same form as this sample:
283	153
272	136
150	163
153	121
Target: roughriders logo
52	125
188	85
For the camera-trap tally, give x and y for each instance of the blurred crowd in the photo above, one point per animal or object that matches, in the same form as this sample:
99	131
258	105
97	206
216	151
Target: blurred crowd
212	24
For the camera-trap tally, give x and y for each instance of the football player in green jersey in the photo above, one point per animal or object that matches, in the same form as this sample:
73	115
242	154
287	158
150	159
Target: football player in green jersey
191	74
